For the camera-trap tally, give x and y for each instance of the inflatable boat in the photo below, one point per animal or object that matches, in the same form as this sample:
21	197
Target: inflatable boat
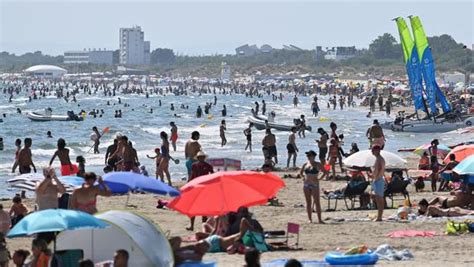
35	116
260	125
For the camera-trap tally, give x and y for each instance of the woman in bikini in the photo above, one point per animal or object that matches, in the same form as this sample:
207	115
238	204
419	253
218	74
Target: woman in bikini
85	197
165	158
310	171
333	156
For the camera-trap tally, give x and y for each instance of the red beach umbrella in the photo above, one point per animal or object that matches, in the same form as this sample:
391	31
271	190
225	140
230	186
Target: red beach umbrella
461	152
223	192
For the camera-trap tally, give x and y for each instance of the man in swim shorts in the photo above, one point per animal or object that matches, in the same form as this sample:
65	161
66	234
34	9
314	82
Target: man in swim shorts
378	181
191	149
174	135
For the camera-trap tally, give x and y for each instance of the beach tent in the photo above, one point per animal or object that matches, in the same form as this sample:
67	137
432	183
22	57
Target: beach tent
145	242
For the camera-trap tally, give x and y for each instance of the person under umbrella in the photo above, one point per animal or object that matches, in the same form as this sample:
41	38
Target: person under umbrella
85	197
199	168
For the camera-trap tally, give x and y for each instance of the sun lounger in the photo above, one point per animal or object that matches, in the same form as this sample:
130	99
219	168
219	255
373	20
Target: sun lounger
351	193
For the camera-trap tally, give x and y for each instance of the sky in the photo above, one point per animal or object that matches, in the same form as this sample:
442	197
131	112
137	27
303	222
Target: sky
218	27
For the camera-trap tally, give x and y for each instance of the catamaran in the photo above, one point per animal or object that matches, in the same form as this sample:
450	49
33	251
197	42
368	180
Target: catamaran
420	68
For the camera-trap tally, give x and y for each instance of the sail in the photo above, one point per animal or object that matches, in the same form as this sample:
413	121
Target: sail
427	66
412	64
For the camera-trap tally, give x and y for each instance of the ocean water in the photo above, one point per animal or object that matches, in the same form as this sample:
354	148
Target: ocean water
143	129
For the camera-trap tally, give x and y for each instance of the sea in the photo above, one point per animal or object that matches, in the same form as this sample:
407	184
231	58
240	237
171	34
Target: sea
143	129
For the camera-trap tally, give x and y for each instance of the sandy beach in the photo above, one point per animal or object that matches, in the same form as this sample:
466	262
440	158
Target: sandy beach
342	229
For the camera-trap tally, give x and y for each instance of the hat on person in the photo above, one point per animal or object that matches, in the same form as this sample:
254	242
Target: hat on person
311	153
201	154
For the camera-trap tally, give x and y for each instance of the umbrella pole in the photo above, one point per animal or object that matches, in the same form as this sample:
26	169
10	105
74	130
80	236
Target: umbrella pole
54	244
128	198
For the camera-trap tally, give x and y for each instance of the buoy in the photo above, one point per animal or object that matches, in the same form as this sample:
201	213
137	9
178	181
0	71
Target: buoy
323	119
202	125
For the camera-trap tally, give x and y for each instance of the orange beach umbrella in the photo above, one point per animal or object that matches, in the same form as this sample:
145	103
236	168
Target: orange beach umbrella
223	192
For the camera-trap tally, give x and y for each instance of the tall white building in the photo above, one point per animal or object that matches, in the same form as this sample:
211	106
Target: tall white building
134	50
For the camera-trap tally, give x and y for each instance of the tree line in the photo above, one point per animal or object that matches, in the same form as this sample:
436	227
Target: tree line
384	54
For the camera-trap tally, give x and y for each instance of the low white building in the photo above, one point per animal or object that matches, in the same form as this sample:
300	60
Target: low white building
45	71
94	56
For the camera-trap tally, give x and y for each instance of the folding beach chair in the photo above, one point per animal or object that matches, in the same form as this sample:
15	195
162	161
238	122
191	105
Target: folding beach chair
293	228
397	186
352	193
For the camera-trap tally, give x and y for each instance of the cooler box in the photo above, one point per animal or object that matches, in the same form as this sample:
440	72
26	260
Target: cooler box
225	164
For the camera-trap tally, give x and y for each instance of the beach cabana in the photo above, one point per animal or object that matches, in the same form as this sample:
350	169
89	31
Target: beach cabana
145	242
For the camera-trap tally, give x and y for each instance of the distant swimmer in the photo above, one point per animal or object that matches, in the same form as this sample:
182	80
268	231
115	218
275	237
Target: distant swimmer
49	135
172	107
174	135
199	112
264	107
248	135
224	111
295	101
256	107
222	130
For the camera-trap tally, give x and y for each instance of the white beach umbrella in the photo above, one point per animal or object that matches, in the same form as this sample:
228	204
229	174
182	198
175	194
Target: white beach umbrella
365	158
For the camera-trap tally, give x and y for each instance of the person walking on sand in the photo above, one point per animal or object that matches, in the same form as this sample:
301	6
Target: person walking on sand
191	148
269	146
310	171
248	136
67	168
95	136
25	161
292	148
222	130
174	135
378	181
199	168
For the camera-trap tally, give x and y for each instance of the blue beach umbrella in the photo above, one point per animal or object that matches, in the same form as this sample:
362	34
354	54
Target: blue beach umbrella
77	181
54	220
465	167
140	182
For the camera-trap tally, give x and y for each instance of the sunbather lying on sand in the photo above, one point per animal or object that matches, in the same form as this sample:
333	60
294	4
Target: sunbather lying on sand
459	199
435	211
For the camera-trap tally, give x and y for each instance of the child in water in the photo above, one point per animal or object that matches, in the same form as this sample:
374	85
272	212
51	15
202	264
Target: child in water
81	161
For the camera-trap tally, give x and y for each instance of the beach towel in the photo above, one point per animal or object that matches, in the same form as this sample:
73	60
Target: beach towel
411	233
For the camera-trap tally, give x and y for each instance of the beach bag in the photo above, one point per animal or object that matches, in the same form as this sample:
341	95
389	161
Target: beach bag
454	228
255	240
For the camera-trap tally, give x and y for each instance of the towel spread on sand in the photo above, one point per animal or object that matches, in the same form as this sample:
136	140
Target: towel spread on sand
387	252
411	233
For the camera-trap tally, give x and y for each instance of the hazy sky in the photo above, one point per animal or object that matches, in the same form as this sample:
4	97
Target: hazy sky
197	27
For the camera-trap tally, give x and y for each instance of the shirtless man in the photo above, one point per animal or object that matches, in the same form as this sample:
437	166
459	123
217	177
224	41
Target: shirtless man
47	190
125	153
375	135
174	135
109	161
191	148
291	147
25	161
378	181
269	144
67	168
